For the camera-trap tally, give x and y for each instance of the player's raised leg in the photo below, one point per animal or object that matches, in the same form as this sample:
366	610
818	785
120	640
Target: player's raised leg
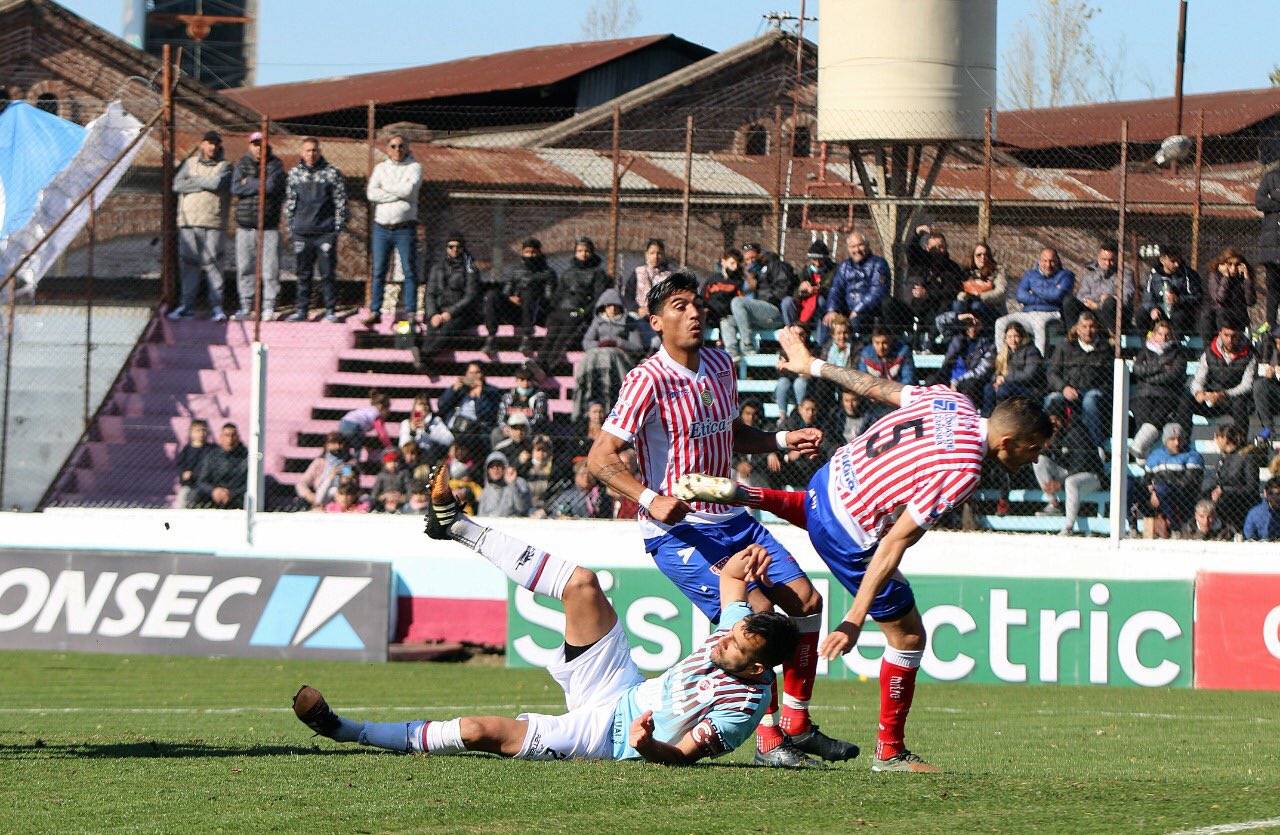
785	504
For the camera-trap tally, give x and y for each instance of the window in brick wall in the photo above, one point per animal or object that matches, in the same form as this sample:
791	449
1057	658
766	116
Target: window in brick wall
801	142
47	102
757	144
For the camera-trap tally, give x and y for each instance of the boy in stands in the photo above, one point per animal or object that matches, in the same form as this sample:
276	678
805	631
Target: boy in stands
926	456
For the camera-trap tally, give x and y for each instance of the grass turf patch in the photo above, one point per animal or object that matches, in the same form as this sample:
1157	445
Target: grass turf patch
154	743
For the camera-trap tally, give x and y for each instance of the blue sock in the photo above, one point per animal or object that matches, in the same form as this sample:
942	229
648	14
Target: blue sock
393	736
348	730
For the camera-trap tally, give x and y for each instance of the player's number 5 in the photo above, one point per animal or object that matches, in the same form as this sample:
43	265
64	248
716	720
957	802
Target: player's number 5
916	425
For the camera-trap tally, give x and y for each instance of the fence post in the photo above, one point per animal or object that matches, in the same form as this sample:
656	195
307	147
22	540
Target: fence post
613	195
984	218
260	234
688	190
256	488
1196	207
8	385
777	178
168	213
88	310
1120	374
371	131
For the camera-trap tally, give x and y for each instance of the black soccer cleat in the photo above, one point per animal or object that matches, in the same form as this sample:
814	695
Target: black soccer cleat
443	508
786	755
314	712
817	744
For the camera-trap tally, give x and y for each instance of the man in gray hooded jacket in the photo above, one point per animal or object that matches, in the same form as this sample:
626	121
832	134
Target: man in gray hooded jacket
505	493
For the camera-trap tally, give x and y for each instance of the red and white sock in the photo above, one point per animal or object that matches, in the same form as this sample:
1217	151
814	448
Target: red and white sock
785	504
768	734
898	670
798	675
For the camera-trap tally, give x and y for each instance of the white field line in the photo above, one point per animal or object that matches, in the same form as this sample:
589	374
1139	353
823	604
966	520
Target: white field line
1223	828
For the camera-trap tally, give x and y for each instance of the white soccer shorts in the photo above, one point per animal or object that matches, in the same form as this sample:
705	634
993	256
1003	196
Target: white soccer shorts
592	683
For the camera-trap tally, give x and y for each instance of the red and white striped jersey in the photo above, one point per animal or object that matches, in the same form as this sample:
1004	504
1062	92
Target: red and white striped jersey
679	422
926	455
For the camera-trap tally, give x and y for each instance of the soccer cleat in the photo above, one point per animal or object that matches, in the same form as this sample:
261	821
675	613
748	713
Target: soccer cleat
786	755
815	743
443	509
314	712
906	761
696	487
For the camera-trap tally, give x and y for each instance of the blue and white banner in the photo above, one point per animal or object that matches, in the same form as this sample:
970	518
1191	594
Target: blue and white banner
46	164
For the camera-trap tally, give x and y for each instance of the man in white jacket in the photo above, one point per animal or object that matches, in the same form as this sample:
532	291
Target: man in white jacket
393	191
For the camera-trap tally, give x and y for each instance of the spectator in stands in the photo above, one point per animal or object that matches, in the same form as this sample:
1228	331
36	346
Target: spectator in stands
470	405
223	474
524	398
1266	387
1041	292
612	344
520	298
719	293
1267	200
839	350
935	281
244	185
798	468
1018	370
1235	479
654	269
969	362
757	467
860	287
887	356
418	468
1159	379
1228	286
1223	384
315	211
425	430
982	292
189	458
1262	524
585	498
573	297
319	483
419	498
391	486
1172	291
1096	289
393	192
355	424
348	499
1173	475
517	444
1071	463
852	419
768	281
202	184
505	492
1080	372
585	429
1205	526
543	475
451	303
807	306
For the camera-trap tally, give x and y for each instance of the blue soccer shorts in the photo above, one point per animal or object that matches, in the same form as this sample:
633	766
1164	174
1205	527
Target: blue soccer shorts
688	554
845	557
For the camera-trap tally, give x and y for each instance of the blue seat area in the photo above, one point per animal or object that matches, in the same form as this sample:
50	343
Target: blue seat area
1101	498
1041	524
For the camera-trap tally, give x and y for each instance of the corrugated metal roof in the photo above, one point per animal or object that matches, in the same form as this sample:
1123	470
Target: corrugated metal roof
518	69
1150	120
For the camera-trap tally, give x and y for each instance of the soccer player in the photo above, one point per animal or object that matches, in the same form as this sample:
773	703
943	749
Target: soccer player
925	457
705	706
679	410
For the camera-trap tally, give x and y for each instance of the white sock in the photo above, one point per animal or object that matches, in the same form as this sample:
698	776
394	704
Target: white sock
903	657
528	567
438	738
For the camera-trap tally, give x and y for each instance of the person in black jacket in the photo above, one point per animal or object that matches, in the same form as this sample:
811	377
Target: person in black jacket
451	303
719	292
1236	486
1266	388
969	360
1019	369
315	212
1223	384
1158	397
470	405
1268	202
188	461
1080	373
1172	291
769	280
520	298
244	185
223	475
572	297
934	278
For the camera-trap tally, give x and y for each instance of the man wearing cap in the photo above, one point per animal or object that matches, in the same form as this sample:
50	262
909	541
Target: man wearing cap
451	302
768	281
393	191
315	211
524	398
201	184
807	306
244	185
860	286
572	296
518	443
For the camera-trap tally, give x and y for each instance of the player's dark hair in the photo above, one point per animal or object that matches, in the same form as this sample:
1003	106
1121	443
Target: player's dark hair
678	281
1022	417
781	637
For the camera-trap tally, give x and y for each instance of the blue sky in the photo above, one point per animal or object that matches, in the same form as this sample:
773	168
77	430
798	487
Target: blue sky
1231	43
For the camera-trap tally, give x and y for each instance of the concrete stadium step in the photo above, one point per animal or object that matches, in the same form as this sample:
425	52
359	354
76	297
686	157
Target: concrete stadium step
349	383
164	356
110	484
209	405
1041	524
240	334
73	499
128	457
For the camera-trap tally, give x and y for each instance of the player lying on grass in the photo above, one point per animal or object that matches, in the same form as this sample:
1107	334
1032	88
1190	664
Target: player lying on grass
925	457
705	706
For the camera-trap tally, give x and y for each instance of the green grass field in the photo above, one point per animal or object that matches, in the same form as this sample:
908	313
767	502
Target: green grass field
104	742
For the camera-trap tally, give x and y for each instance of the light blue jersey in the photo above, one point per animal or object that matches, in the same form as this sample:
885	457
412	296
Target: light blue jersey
695	695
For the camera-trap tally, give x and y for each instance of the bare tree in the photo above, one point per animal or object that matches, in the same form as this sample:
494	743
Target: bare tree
1053	59
609	19
1274	75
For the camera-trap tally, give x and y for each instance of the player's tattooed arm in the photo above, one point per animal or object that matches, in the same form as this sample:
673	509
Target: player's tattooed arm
608	467
864	385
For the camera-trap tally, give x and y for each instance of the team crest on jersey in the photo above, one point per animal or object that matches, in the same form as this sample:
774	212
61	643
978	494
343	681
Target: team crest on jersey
708	398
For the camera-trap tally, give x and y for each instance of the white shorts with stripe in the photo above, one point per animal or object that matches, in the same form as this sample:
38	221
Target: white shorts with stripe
592	683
